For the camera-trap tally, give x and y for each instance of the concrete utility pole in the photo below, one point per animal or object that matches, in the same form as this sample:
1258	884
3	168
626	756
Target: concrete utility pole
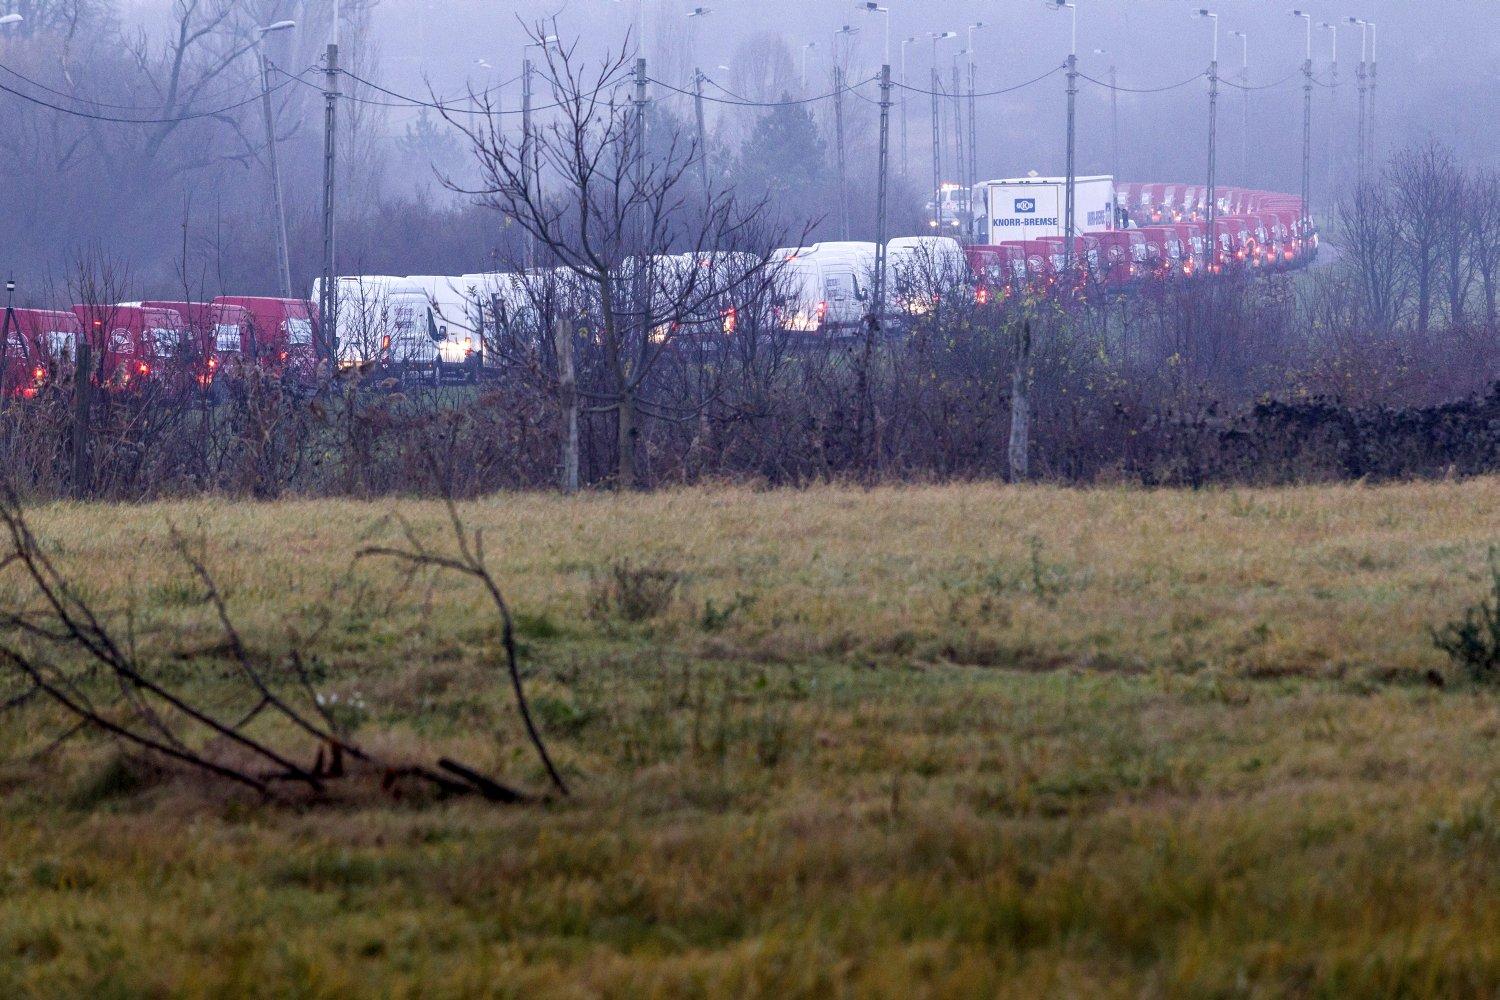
694	15
1307	87
283	255
328	295
1070	222
937	129
883	166
1213	139
881	186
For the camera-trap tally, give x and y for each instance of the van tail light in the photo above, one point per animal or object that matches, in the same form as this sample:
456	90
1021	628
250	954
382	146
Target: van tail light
981	295
822	310
39	374
731	319
144	369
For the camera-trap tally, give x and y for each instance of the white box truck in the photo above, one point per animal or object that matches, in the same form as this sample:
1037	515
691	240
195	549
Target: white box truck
1023	208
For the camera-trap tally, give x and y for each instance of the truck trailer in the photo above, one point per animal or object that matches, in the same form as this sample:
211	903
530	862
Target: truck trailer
1025	208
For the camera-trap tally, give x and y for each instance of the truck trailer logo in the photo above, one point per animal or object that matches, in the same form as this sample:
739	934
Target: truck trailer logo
1025	206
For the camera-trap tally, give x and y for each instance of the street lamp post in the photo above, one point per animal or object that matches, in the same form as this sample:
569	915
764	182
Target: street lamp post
838	121
1333	96
805	49
283	255
1114	119
1213	134
937	130
973	172
904	98
1245	92
1359	83
1370	97
1307	85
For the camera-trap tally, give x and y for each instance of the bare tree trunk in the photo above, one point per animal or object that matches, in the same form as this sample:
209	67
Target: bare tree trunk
1020	408
625	474
567	399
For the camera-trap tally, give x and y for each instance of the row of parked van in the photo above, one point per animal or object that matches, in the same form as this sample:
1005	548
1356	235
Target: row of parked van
448	328
182	344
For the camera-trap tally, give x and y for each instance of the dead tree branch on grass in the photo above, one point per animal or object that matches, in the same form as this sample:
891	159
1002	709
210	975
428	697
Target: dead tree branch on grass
470	562
59	646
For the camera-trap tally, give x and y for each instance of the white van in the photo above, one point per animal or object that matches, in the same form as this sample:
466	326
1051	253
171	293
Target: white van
387	320
823	287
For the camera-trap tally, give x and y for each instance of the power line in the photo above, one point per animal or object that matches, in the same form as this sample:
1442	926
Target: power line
739	102
1263	86
217	112
1143	90
92	102
988	93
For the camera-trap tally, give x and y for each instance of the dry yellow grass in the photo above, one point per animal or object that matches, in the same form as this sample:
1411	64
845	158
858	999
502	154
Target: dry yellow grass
947	741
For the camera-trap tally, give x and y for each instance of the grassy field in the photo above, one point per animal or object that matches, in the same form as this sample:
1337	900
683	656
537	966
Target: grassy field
952	741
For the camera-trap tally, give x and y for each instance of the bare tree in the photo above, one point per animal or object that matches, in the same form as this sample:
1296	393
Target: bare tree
1422	183
1374	252
656	257
1484	239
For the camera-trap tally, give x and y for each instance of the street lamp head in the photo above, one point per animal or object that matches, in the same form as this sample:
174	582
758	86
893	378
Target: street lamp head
700	12
847	29
976	25
278	26
1204	12
873	8
810	45
938	36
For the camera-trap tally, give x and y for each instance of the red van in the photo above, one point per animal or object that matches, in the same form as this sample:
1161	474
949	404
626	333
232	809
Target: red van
132	342
1122	255
283	333
49	338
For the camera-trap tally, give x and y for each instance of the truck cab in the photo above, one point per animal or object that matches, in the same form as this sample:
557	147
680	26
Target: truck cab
282	334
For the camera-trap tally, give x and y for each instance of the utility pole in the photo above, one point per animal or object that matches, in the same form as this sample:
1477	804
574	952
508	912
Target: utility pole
1307	88
1213	138
328	295
640	147
702	132
526	144
694	15
880	189
1070	222
838	123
